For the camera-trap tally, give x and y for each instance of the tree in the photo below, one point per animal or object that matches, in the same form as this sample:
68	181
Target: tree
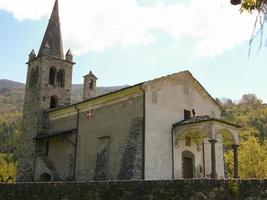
252	159
258	6
7	169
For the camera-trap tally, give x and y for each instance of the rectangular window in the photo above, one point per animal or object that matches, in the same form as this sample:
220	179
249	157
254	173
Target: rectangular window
188	141
46	151
187	114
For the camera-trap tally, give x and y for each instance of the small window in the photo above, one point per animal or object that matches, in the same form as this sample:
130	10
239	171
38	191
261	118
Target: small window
187	114
53	102
188	141
46	151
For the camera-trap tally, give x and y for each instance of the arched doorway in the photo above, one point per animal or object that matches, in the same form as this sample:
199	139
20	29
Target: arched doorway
188	163
45	177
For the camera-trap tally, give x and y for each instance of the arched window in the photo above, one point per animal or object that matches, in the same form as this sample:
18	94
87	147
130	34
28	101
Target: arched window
53	102
52	75
61	78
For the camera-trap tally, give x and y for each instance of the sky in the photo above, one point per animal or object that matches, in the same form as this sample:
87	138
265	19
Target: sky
125	42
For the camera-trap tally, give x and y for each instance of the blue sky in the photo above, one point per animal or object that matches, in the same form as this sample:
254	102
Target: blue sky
134	41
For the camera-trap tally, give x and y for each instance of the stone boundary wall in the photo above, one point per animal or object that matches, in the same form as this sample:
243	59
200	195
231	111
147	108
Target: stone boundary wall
138	190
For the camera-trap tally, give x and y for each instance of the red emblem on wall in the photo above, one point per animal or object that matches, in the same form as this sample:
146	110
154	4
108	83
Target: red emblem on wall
90	114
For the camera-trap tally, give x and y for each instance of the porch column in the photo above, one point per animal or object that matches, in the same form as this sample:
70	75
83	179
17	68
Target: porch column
235	148
213	159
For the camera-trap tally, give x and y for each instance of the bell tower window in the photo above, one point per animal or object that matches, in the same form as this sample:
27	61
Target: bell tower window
61	78
52	75
91	84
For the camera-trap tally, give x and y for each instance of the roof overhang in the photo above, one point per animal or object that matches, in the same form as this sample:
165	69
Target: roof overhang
56	134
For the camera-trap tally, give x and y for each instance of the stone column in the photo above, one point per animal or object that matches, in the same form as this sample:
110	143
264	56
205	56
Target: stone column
235	148
213	159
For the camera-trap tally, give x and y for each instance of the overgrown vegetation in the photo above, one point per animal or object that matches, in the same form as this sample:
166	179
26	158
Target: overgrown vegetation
251	113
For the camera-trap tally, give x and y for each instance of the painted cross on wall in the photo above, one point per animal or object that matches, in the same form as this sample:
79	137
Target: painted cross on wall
90	114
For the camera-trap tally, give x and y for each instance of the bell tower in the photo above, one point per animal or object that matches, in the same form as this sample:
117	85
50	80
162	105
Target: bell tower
89	86
48	86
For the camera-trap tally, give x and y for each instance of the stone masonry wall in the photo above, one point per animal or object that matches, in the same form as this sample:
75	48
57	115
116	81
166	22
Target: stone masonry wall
132	190
110	144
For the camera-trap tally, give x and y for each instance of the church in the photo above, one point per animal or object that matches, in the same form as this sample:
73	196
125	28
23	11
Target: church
161	129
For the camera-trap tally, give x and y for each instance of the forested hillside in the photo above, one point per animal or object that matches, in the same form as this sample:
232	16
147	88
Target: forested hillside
250	112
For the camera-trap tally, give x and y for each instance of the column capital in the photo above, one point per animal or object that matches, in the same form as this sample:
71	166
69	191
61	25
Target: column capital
235	145
212	141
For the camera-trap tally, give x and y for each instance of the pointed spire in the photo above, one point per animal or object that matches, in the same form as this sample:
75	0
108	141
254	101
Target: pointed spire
52	37
55	13
69	56
32	55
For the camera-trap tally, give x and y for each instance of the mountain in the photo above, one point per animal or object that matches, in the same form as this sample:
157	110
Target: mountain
4	83
12	93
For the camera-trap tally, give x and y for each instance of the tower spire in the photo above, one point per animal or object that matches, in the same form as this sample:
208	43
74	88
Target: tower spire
53	36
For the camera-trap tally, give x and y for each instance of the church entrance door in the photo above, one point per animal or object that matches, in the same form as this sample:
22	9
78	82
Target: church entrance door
188	164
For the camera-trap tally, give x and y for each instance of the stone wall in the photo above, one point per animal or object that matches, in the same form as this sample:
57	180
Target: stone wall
110	141
131	190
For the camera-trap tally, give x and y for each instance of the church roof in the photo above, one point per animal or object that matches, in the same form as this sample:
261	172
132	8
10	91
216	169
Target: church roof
131	88
52	36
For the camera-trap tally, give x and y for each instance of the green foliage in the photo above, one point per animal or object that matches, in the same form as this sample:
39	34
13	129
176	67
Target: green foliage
7	169
250	113
233	188
252	159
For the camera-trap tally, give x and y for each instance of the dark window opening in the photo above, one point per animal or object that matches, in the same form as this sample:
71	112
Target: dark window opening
91	84
188	141
53	102
46	151
52	75
61	78
45	177
187	114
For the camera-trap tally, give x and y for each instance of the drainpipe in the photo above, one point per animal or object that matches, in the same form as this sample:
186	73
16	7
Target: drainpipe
172	133
144	129
76	139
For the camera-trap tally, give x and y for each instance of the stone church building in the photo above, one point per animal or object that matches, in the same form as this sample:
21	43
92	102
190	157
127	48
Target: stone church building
166	128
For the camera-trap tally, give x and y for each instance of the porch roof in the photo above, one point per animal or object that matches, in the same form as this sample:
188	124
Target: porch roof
201	119
56	134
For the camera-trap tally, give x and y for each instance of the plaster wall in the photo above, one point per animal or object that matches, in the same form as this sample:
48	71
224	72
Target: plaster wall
201	169
166	100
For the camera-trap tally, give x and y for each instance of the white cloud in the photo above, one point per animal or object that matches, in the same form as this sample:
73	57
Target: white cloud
95	25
